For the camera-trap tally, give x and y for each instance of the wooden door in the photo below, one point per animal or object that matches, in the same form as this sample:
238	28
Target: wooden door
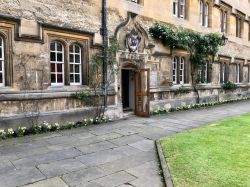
142	93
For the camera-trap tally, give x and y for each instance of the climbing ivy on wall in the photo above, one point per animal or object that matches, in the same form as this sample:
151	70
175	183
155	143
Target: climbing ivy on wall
202	48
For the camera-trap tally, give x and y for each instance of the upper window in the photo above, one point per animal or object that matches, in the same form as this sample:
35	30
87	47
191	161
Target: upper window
223	21
75	60
179	8
206	15
201	12
2	82
175	7
239	27
57	63
182	8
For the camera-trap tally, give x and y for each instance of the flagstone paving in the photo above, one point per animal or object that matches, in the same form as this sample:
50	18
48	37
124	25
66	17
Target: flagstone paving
120	153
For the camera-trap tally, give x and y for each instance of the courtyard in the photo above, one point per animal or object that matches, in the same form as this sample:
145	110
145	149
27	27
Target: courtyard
120	153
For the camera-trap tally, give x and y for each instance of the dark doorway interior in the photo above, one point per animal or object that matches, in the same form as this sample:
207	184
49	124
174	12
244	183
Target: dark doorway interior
127	90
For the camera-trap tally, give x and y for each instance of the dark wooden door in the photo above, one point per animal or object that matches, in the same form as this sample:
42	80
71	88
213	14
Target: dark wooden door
142	93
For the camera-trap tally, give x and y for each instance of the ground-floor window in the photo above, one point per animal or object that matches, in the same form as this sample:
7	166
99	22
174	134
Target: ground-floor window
65	65
2	82
237	73
203	73
178	66
224	72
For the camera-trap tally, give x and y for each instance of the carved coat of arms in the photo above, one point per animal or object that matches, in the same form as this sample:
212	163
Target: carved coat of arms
133	41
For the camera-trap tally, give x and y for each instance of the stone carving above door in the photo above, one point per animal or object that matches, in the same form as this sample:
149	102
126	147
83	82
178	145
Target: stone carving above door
133	41
131	36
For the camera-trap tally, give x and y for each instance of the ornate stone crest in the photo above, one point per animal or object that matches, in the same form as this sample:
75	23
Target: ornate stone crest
133	41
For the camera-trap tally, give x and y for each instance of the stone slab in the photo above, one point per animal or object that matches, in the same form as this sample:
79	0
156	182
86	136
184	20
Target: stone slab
53	182
60	167
115	179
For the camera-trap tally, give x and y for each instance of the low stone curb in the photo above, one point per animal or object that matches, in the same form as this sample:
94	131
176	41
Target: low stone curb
167	177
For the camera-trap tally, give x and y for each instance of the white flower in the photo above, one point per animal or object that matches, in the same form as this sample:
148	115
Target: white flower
91	120
10	131
85	120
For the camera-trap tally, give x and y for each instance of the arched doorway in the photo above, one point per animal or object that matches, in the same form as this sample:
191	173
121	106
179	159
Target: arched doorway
135	90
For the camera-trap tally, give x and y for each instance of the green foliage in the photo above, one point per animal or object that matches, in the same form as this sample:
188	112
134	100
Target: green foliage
229	86
201	47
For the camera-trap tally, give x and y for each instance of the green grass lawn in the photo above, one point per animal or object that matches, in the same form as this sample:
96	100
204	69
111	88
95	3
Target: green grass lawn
216	155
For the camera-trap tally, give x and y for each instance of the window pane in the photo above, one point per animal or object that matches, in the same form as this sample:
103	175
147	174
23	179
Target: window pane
52	46
53	67
59	57
71	49
59	46
77	58
59	68
1	53
72	78
77	49
1	78
53	78
71	68
77	76
71	58
52	56
59	78
77	69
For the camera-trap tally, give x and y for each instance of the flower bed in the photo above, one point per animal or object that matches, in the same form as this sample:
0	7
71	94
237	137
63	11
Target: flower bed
159	110
47	127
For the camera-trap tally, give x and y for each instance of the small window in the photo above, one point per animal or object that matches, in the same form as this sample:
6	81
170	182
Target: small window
175	7
182	69
237	70
201	12
75	62
206	15
224	22
57	63
2	81
223	73
182	8
239	25
175	61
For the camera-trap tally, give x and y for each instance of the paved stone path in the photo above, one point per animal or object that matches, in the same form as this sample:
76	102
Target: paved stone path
117	154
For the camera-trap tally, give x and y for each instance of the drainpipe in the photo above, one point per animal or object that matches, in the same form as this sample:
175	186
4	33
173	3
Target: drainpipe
105	50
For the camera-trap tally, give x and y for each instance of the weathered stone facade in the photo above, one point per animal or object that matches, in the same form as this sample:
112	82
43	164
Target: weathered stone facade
29	26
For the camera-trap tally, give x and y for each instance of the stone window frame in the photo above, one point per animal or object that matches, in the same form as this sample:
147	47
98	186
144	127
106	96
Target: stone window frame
239	26
178	6
67	42
224	72
6	35
177	60
239	63
204	13
224	21
204	73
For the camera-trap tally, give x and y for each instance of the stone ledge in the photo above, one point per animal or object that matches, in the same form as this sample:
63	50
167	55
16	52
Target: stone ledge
165	169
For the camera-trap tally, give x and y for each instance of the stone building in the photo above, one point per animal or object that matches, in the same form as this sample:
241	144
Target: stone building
46	48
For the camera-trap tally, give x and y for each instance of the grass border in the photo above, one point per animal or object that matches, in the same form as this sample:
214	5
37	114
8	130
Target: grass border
165	169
